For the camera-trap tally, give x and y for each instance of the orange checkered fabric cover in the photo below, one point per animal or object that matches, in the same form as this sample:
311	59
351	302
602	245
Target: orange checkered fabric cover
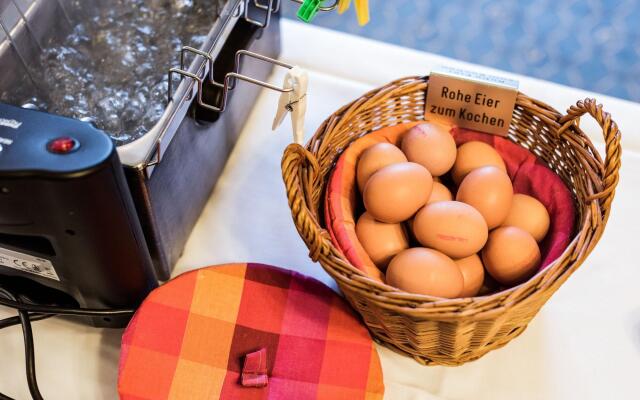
192	336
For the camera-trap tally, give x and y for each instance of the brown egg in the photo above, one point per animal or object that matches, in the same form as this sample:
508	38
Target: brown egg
397	191
528	213
381	241
432	146
488	190
454	228
439	192
472	155
511	255
375	157
425	271
473	274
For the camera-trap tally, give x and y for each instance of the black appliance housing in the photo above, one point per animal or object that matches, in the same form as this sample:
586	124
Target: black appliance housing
112	221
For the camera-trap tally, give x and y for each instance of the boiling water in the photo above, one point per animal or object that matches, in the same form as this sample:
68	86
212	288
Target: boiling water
112	68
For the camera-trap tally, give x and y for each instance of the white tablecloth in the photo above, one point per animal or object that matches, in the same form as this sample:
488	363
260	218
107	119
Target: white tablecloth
584	344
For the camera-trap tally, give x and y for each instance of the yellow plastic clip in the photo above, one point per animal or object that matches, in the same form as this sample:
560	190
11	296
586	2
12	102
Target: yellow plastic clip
343	6
362	10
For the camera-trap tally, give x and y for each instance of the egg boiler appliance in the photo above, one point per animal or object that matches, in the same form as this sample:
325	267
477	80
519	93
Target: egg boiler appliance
89	224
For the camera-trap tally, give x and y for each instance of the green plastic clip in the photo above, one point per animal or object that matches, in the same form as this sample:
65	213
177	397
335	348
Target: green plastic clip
309	9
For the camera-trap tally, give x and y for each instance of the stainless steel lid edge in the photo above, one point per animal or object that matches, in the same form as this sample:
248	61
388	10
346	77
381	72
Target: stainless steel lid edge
143	152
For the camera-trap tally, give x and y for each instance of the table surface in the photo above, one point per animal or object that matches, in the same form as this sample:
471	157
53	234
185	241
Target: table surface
585	343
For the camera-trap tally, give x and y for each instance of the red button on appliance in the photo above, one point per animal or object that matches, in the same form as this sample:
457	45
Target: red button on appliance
63	145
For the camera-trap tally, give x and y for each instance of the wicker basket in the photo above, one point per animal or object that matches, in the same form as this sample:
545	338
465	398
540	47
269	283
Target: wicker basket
453	331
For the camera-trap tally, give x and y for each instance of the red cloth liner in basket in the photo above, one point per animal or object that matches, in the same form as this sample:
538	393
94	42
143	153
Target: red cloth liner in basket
529	176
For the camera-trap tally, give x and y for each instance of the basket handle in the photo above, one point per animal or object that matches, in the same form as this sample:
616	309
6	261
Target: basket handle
300	168
611	133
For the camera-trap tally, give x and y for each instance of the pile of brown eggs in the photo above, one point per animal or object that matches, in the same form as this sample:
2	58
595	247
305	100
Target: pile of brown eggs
427	242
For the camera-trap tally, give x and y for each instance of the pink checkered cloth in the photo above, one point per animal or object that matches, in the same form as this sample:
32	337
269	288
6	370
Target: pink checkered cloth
204	334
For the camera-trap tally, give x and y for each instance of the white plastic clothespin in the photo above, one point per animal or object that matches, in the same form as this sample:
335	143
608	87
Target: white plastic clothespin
294	102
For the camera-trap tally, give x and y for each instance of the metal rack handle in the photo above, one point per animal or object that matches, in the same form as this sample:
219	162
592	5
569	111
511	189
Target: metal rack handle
229	79
270	9
189	49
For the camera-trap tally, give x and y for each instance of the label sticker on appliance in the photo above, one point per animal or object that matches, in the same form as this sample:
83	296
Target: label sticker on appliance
28	263
10	123
471	100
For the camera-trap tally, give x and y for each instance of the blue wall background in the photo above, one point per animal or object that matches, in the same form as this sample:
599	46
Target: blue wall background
590	44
